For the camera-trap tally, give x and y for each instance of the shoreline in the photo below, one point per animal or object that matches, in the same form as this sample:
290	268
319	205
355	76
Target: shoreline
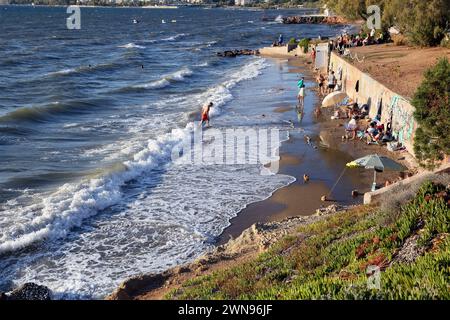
262	223
300	198
253	241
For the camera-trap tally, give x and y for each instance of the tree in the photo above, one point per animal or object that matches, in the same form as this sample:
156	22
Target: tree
432	103
423	22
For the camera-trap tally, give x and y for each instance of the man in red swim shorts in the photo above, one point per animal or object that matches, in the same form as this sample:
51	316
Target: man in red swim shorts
205	114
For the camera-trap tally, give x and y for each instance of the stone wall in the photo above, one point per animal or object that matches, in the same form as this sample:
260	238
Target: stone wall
392	106
377	197
282	52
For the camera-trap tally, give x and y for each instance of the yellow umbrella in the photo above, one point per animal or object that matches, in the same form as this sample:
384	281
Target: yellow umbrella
352	165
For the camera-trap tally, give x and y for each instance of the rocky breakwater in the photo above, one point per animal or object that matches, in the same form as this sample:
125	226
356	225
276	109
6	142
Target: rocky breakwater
235	53
314	20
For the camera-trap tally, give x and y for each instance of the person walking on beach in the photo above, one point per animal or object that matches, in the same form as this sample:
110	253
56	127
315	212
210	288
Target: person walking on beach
301	82
331	82
321	81
313	55
301	93
205	114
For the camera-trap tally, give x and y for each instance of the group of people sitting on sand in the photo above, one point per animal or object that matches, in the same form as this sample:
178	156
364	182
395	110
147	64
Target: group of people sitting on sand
373	131
346	41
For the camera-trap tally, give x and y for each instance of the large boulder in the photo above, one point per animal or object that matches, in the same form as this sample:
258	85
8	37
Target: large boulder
28	291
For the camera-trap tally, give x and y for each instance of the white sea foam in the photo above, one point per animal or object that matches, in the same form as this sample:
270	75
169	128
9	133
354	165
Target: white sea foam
62	72
166	80
131	45
175	37
71	204
221	94
202	65
162	83
180	75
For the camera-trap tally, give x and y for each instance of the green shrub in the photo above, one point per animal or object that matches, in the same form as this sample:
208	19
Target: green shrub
431	101
304	43
293	41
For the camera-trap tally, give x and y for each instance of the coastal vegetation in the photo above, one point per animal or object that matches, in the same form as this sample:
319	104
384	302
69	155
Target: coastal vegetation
432	113
303	43
423	23
407	239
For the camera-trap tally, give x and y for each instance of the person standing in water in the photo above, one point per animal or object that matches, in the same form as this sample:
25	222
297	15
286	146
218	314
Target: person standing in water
205	114
301	93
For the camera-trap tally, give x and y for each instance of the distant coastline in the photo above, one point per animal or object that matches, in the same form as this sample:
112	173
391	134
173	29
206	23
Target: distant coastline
253	7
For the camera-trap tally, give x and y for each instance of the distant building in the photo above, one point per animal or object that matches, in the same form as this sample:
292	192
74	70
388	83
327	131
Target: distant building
243	2
4	1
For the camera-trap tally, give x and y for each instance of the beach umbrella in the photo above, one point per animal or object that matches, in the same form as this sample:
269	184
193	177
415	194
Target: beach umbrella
333	99
376	163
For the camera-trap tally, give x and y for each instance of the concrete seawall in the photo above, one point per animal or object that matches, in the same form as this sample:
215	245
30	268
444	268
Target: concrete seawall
361	87
282	52
376	197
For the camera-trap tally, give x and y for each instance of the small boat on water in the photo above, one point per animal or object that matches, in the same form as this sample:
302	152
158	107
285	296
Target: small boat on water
135	21
163	21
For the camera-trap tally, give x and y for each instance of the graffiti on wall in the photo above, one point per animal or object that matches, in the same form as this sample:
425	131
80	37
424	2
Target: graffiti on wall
402	119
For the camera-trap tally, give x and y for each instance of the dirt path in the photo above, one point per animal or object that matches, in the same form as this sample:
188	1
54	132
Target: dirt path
400	68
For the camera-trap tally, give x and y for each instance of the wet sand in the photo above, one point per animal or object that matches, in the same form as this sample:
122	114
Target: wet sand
324	165
282	109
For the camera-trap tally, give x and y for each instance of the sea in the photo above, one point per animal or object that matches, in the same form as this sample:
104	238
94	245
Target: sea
90	193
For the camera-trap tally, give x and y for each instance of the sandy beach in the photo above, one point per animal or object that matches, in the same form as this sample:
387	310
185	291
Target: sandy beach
302	198
262	223
249	152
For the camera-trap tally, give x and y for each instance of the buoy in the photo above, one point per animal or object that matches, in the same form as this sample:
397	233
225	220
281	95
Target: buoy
323	199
